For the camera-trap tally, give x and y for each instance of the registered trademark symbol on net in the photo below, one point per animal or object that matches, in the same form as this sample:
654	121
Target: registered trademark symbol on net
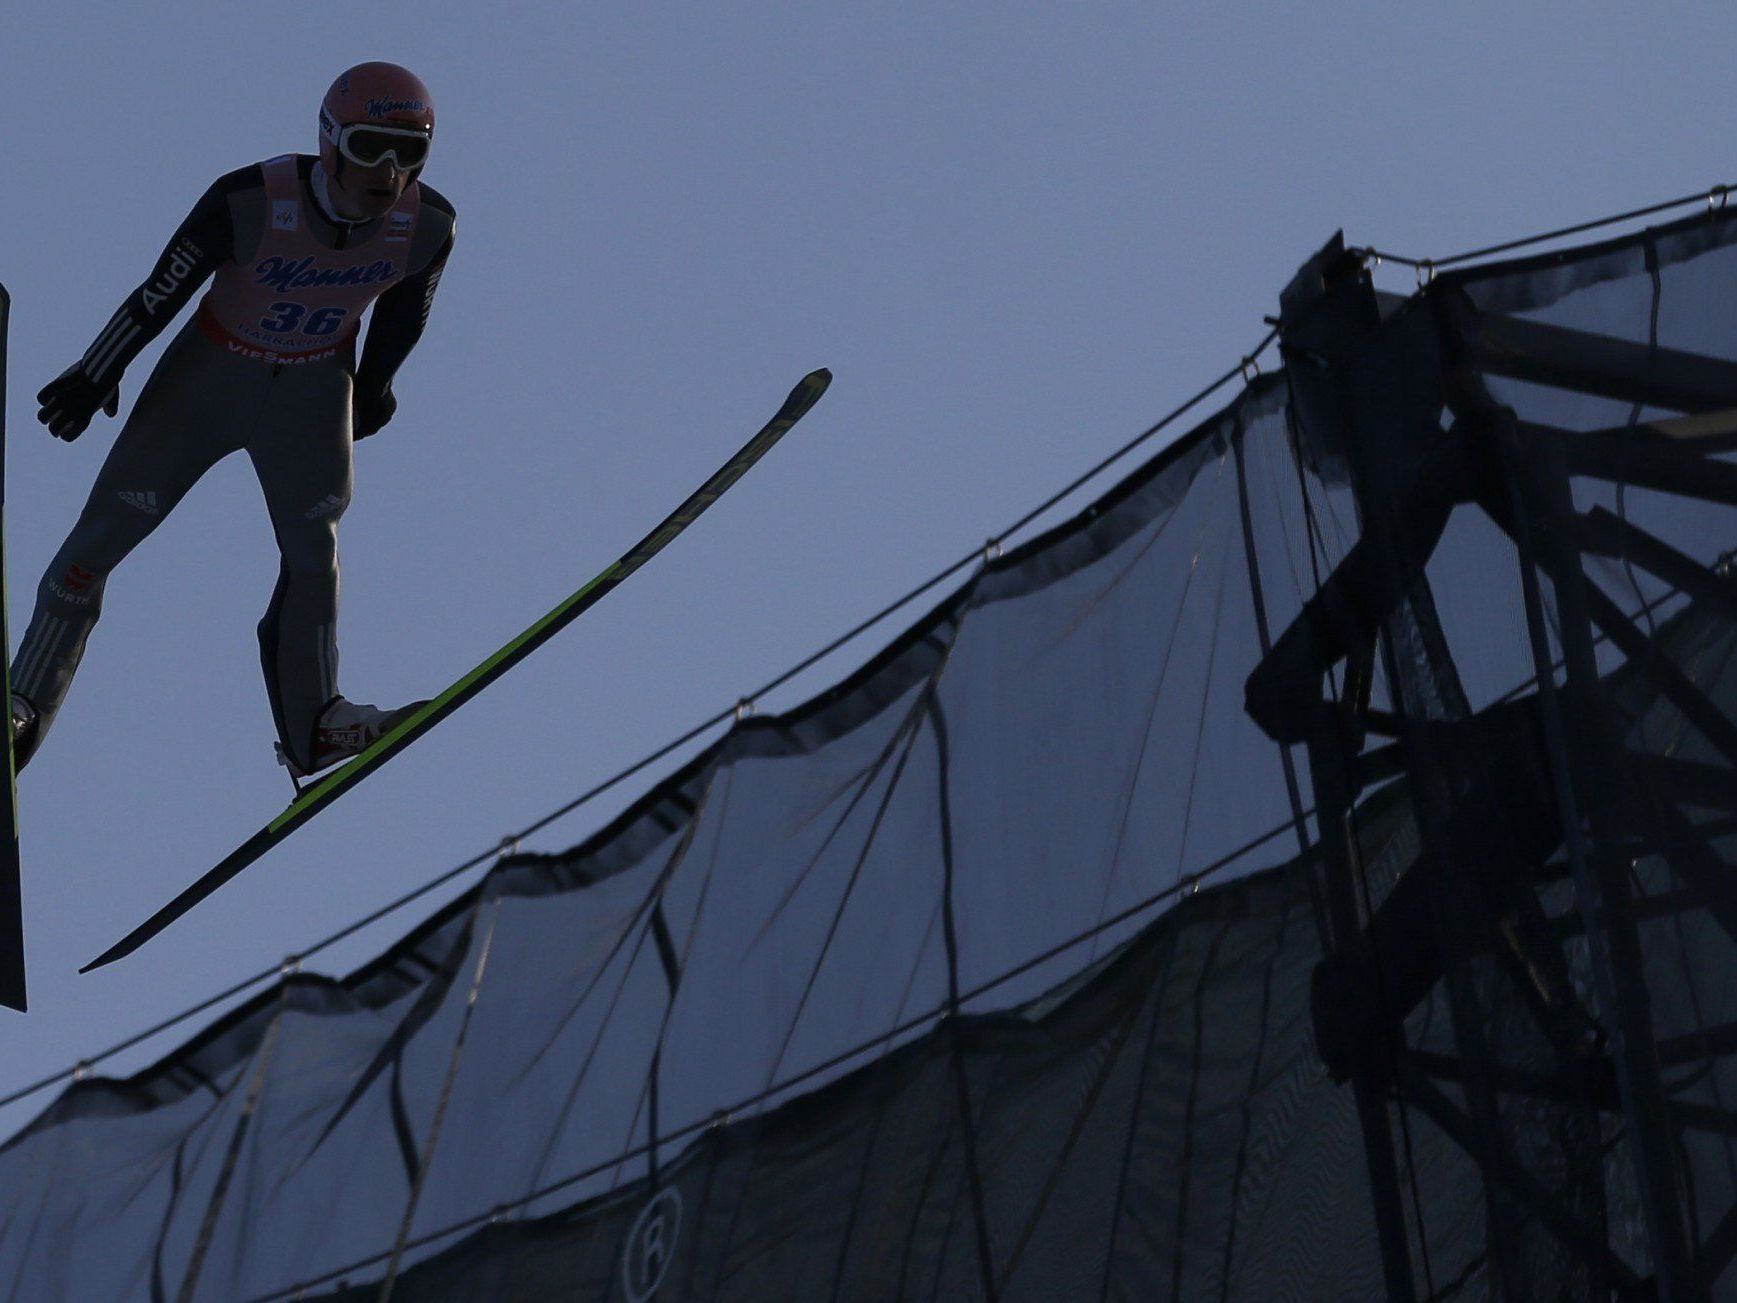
650	1248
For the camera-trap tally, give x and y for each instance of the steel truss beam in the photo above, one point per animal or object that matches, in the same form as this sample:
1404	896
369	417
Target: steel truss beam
1582	754
1493	1157
1590	363
1359	394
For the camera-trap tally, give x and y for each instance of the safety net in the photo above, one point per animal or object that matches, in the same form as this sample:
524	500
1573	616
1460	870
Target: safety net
1303	873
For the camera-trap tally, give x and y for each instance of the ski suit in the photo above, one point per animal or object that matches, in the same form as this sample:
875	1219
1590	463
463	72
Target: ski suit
266	364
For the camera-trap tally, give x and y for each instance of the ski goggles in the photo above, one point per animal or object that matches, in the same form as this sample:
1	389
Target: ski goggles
367	145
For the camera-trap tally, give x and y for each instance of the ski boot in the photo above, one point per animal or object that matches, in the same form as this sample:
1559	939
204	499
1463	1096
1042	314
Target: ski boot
26	731
346	729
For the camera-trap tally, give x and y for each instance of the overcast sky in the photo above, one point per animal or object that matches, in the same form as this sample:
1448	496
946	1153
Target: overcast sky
1017	233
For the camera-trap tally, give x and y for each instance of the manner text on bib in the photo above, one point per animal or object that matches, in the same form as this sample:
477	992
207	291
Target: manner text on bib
297	300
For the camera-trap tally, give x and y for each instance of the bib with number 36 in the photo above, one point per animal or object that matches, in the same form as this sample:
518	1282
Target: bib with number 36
296	299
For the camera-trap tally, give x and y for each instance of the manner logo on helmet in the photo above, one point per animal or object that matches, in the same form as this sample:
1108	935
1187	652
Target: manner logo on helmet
380	107
651	1245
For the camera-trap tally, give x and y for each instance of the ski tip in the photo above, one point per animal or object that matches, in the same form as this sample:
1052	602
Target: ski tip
807	392
120	950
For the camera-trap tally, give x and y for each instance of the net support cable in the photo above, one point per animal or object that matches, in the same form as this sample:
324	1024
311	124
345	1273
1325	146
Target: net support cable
1714	198
426	1158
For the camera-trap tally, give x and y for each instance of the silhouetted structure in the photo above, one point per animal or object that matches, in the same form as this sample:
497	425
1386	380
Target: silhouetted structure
1308	872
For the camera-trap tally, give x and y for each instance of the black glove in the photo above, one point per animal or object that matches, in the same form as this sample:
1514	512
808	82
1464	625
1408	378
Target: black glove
71	399
368	412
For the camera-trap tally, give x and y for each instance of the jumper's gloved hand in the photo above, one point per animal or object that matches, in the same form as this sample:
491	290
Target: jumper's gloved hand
71	399
368	412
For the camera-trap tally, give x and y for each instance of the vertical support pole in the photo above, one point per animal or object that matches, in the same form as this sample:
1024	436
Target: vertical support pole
1336	919
1379	424
1370	393
1263	631
1582	752
1332	815
12	987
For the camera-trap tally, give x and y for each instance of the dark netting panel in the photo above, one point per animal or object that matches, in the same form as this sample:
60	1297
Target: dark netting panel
1160	1128
1306	873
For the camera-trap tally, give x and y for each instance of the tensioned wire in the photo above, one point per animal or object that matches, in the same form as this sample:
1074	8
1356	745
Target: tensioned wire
1714	198
1247	368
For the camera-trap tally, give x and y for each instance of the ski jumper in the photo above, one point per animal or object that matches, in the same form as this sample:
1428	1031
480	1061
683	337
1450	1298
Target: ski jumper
266	365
